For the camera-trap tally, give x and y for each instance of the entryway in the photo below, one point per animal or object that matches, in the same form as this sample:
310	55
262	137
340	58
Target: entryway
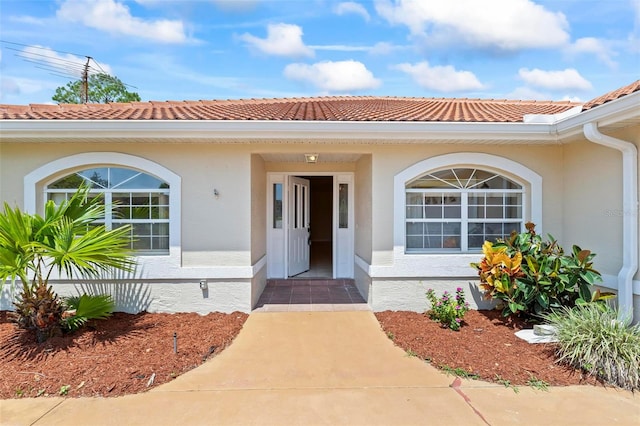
310	225
295	295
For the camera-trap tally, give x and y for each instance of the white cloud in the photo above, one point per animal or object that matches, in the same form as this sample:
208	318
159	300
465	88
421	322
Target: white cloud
115	17
441	78
29	20
341	48
14	90
282	40
352	7
568	79
507	25
591	45
62	63
340	76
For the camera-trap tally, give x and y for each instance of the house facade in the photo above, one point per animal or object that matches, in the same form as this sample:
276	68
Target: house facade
400	192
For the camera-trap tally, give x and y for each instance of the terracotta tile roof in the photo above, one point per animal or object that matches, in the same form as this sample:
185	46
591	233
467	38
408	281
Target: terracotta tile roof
615	94
362	108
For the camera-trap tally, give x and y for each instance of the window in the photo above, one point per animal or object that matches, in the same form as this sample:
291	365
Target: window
457	209
131	198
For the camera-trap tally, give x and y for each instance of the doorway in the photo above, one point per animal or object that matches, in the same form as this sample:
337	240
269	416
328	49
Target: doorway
310	230
320	226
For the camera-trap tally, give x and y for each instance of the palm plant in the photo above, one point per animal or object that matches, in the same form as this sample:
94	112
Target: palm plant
67	239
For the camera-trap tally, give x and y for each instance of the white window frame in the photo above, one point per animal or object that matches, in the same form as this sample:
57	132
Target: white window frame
107	194
447	265
37	180
464	221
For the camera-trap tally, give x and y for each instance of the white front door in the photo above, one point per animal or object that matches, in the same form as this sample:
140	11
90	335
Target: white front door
298	226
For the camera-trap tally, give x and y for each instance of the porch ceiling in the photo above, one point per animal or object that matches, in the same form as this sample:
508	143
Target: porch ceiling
299	157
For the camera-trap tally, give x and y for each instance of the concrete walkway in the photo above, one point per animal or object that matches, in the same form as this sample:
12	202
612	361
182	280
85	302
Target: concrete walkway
327	368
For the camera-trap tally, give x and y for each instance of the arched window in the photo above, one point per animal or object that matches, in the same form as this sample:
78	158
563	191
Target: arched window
131	198
457	209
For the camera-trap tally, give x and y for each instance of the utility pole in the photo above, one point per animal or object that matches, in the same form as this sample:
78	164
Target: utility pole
85	81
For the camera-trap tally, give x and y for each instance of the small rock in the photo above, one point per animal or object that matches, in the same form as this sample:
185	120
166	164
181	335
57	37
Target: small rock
544	330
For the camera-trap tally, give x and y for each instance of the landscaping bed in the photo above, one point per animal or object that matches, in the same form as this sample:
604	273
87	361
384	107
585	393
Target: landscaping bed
111	357
485	347
118	356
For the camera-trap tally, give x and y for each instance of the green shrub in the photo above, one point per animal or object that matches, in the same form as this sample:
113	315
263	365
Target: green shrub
448	311
592	339
80	309
532	276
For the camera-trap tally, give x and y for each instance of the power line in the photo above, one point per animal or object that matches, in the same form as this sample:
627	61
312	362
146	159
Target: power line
62	67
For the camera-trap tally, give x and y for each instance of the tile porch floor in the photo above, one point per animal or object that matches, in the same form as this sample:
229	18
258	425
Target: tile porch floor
296	295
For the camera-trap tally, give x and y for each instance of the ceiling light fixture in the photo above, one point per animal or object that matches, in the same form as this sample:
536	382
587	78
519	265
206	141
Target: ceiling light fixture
311	158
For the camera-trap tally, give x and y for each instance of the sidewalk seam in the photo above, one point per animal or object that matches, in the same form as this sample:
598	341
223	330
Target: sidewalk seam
47	412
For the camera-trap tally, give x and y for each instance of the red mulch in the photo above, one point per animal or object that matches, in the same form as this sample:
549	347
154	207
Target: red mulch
485	346
118	356
111	357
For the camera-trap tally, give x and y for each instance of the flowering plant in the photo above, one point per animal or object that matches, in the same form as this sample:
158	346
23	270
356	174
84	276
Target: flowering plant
449	310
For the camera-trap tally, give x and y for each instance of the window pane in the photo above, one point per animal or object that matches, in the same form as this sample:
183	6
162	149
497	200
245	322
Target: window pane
415	198
142	243
513	200
160	243
58	198
433	212
433	242
513	212
494	200
140	181
303	202
296	207
160	212
141	228
414	212
475	242
159	199
451	242
452	212
67	182
138	199
120	212
433	228
161	229
119	175
494	212
140	212
476	212
451	228
414	242
415	228
98	178
277	205
343	205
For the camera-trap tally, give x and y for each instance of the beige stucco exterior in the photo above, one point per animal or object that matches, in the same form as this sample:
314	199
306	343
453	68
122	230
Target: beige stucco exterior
581	204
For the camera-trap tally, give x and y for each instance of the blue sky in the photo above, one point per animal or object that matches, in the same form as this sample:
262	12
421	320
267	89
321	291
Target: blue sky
212	49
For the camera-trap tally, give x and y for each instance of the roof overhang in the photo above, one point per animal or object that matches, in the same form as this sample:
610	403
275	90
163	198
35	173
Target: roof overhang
207	131
624	110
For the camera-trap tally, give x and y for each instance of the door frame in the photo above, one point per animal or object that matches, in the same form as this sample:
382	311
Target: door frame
343	254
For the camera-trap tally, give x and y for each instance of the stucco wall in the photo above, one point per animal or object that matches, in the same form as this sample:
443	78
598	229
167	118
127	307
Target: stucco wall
215	231
593	203
258	209
410	294
180	296
390	160
363	208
